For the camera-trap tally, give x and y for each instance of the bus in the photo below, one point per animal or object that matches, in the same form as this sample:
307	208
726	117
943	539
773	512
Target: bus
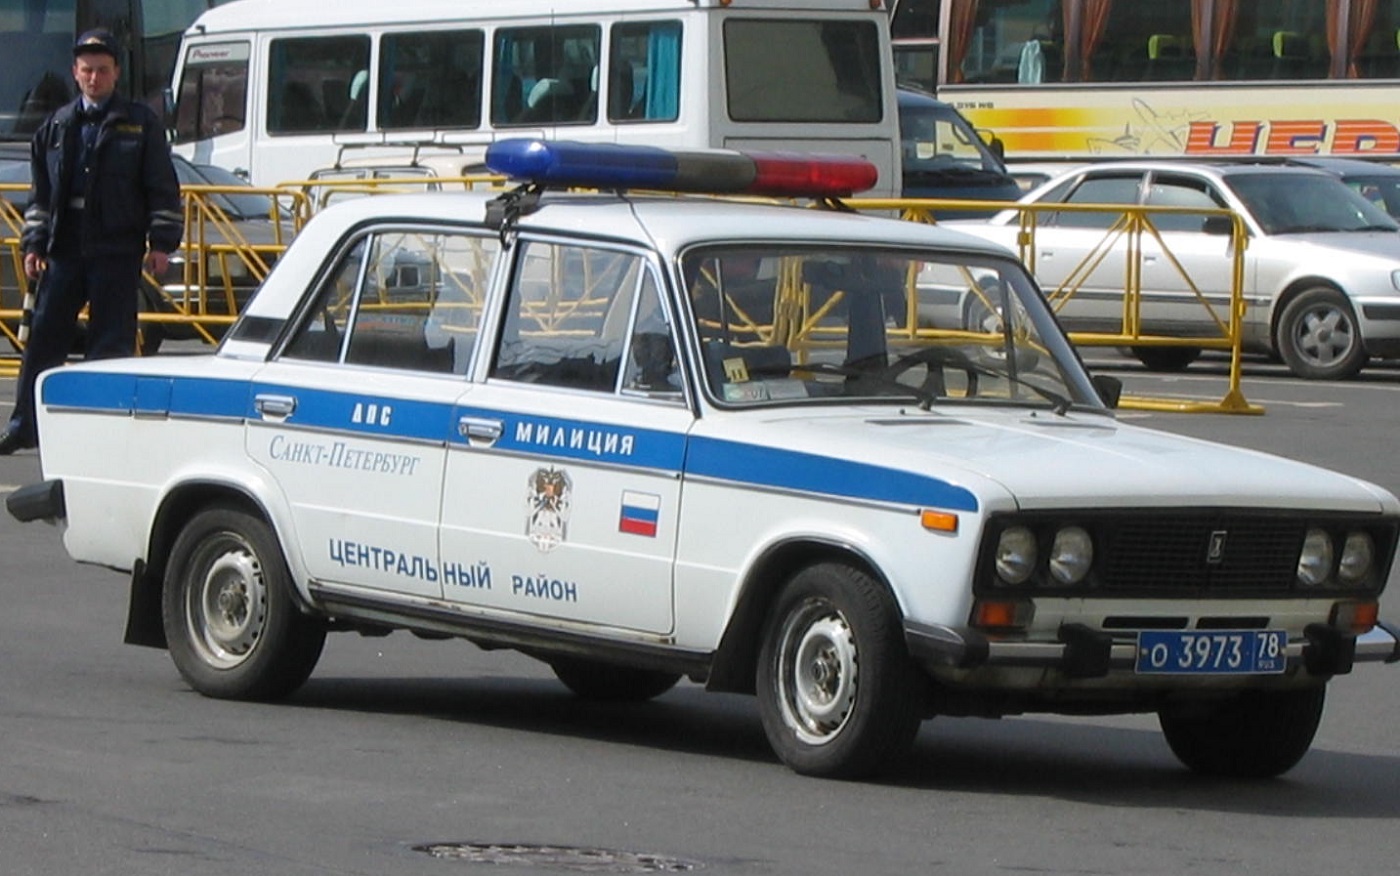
1076	80
36	41
276	89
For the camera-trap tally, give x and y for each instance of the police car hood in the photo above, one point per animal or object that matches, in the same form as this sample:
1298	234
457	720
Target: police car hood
1037	459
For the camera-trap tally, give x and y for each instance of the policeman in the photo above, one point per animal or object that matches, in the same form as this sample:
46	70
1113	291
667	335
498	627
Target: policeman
104	199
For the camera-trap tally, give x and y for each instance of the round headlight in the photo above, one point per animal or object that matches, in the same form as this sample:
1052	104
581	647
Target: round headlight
1358	554
1315	562
1016	555
1072	555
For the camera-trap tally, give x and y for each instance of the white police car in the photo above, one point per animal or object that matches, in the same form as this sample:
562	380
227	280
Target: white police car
775	449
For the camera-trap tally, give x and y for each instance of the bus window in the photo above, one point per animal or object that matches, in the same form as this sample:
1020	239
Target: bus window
310	85
545	75
430	79
644	77
213	91
826	71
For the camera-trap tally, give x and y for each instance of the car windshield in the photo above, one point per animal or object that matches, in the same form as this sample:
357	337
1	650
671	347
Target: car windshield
785	325
936	140
1287	203
1381	191
238	205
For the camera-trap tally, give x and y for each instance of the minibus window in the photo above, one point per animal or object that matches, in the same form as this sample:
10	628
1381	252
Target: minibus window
644	74
546	75
213	91
430	79
826	71
313	86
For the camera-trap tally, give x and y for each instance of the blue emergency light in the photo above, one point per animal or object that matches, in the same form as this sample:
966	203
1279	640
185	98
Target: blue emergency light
718	171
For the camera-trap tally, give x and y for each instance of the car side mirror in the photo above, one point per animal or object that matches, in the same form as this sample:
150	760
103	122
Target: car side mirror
1109	388
994	144
167	110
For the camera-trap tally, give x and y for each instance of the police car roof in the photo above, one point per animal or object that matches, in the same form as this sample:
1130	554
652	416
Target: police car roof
667	222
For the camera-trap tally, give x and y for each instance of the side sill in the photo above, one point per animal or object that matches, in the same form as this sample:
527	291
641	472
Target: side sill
498	632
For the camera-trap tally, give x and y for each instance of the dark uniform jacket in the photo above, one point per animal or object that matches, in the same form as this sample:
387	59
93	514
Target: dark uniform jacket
131	196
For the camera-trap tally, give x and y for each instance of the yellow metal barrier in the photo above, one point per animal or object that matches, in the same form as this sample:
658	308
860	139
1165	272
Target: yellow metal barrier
221	260
225	258
358	182
1125	232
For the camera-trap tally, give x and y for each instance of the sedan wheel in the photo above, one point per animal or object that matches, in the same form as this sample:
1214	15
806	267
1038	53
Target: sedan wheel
1318	337
230	622
837	692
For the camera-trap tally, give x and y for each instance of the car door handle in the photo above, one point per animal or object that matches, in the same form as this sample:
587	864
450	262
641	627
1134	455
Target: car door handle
480	431
275	405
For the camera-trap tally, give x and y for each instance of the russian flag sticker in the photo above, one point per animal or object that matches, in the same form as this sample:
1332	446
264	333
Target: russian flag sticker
639	513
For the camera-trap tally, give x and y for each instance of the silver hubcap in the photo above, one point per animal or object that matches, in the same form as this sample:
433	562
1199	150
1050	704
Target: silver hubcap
1324	336
818	674
227	607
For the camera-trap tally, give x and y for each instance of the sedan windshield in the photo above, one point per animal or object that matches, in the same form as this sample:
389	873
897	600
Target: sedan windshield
1287	203
783	325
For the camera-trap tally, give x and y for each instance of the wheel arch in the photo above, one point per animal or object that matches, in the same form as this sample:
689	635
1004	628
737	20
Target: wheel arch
732	670
1296	287
143	623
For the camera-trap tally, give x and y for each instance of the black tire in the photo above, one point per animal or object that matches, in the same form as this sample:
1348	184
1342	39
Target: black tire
1318	337
978	317
152	335
620	684
1167	358
1256	735
230	622
837	692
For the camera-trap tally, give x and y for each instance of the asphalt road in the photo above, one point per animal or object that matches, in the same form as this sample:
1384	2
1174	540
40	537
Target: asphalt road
110	765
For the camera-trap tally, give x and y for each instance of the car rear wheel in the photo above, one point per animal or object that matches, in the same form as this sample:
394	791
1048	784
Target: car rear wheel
1167	358
1318	337
1256	735
230	622
837	692
601	681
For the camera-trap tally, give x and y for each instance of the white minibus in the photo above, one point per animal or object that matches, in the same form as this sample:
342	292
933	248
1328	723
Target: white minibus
275	89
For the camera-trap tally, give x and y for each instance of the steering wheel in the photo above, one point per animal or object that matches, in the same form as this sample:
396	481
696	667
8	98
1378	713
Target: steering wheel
935	359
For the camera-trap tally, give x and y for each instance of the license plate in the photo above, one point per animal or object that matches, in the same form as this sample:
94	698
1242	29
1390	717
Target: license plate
1212	652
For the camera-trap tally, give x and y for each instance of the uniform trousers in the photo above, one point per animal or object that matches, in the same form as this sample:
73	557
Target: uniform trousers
107	284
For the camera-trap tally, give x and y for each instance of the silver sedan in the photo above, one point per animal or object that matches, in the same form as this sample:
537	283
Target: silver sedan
1322	264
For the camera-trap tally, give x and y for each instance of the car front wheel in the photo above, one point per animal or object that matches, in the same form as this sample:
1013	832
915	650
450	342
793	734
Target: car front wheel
1256	735
1318	337
837	693
230	622
1167	358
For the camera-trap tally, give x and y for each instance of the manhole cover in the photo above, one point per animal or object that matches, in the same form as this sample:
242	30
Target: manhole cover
567	858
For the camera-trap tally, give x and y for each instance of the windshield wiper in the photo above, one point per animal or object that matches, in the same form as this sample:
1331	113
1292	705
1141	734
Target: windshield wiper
961	361
951	170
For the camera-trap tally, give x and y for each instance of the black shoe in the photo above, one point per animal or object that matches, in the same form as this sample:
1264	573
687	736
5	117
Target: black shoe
12	441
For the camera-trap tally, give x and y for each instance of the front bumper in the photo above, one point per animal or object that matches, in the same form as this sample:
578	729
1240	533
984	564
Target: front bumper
41	501
1082	652
1379	321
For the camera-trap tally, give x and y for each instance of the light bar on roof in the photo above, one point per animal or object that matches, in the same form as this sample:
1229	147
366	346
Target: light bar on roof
718	171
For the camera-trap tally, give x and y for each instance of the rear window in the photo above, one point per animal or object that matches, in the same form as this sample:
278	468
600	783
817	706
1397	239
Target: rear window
802	71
